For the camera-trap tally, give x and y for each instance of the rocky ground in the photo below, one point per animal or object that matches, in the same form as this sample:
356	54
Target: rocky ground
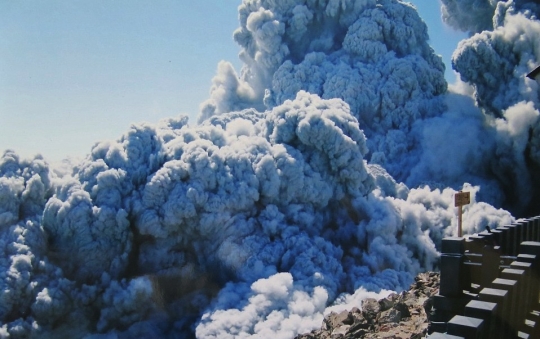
399	316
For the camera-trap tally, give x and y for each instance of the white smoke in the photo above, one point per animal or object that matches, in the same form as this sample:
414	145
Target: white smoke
324	171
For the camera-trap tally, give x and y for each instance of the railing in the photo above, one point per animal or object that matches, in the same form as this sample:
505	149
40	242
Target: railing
489	284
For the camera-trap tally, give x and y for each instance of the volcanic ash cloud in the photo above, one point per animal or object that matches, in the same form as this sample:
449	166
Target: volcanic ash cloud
324	170
249	216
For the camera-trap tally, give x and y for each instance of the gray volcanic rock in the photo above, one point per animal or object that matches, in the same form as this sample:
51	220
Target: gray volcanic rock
398	316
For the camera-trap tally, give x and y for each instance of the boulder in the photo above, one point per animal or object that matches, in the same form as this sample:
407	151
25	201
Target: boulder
370	308
389	316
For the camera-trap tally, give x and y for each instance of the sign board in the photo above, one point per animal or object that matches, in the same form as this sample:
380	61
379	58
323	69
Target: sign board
462	198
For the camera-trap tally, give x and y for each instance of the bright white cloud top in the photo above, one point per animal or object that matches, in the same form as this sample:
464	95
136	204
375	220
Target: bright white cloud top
324	168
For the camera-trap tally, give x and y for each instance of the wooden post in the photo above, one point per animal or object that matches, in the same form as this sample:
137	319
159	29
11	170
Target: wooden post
460	220
461	198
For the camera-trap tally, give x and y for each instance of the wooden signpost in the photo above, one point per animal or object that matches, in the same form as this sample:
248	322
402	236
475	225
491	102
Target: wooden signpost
461	198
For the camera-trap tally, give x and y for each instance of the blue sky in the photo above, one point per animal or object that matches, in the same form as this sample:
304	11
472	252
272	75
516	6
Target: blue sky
76	72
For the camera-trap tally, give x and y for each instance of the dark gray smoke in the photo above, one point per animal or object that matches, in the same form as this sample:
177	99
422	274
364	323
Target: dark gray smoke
495	63
324	171
471	16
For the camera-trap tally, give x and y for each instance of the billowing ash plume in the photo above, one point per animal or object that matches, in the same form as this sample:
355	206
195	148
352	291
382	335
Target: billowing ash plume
372	54
249	216
323	172
471	16
495	62
375	56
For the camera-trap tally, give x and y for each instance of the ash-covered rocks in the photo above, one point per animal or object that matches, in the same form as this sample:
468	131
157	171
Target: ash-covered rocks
398	316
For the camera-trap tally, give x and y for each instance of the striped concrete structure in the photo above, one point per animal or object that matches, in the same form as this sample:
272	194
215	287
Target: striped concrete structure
490	284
